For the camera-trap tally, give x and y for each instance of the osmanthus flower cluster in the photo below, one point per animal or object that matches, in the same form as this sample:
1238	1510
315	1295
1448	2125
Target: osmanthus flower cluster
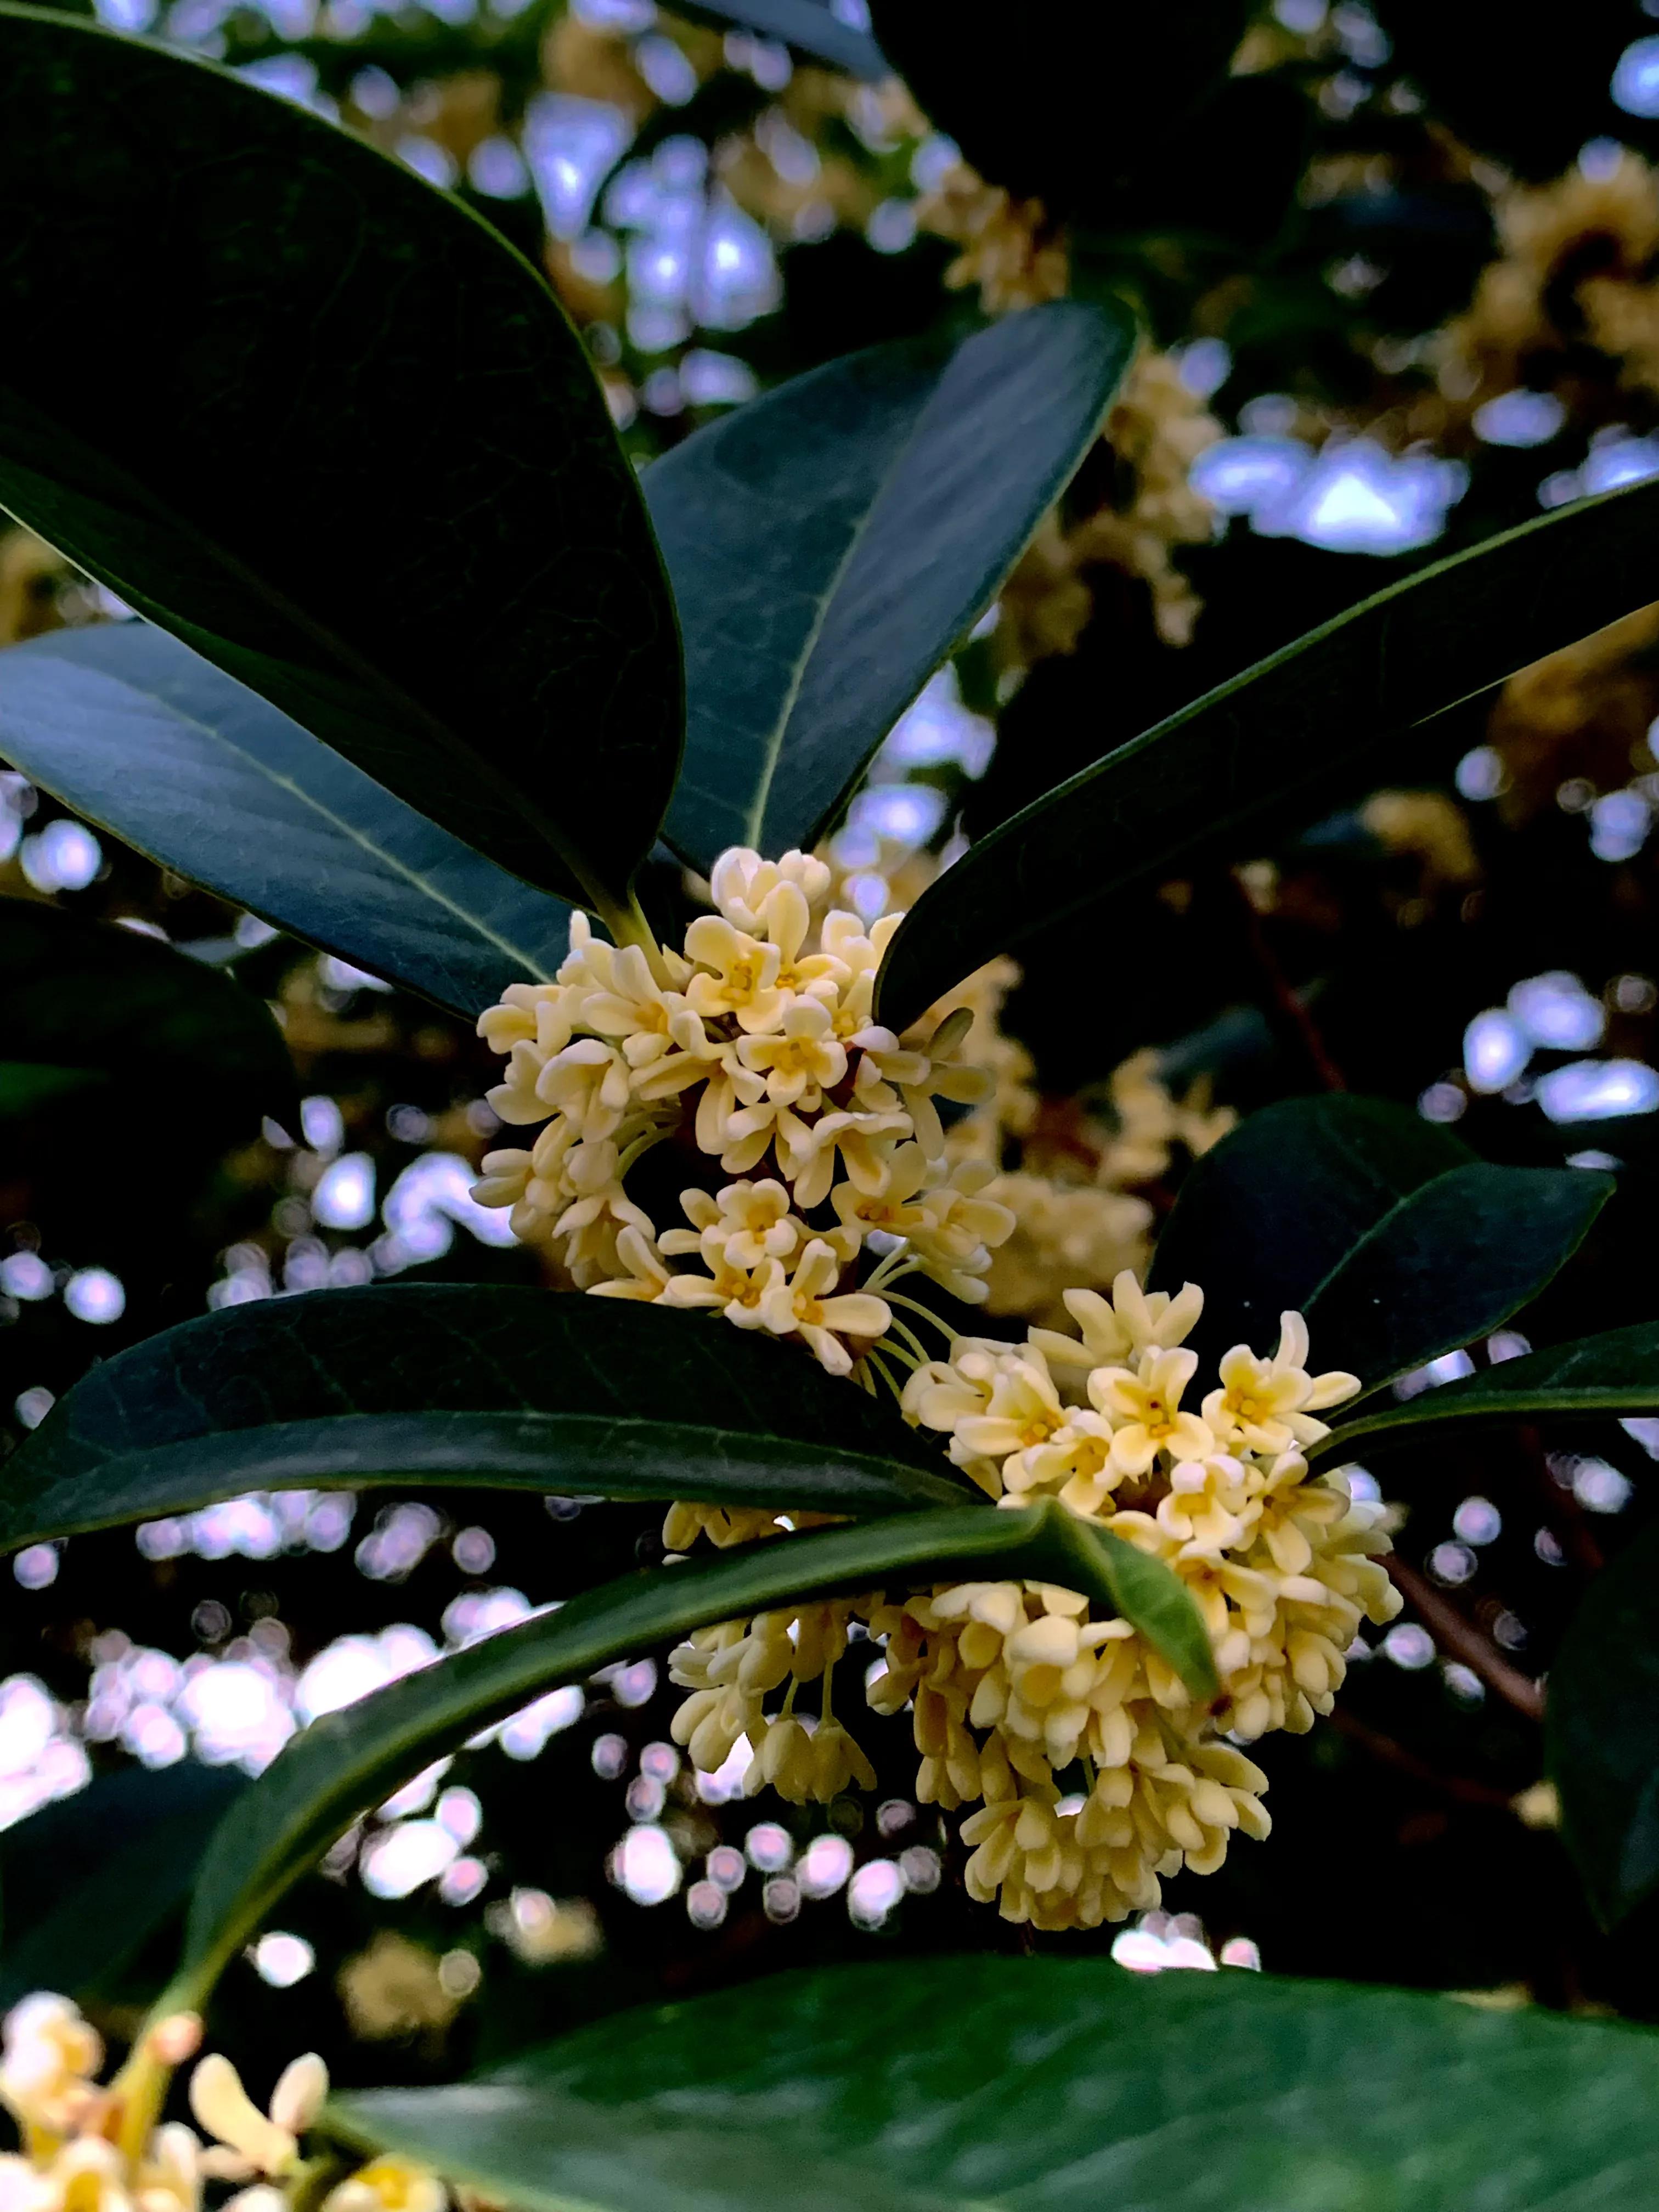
1093	1772
87	2147
825	1178
821	1166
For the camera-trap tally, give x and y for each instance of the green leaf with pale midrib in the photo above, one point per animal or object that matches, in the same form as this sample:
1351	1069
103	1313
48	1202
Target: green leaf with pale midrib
239	798
1616	1373
465	1385
1452	1260
378	485
350	1759
831	543
1601	1731
1267	751
1047	2084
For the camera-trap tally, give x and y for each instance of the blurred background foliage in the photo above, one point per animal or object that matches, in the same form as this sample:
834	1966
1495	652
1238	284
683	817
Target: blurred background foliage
1400	266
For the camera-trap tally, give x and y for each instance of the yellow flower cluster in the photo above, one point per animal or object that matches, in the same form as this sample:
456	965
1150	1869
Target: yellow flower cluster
1010	249
755	1046
1094	1773
88	2148
1573	278
754	1049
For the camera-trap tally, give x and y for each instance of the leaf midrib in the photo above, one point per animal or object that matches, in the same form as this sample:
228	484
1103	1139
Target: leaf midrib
737	1447
1218	824
346	660
388	859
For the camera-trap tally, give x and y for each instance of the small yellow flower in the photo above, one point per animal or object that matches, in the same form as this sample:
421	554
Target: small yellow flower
646	1279
801	1060
893	1212
246	2141
806	1765
169	2178
589	1083
1269	1404
863	1143
1115	1330
387	2185
785	918
49	2058
740	882
752	1219
738	976
739	1293
89	2175
1145	1410
1023	1413
800	1304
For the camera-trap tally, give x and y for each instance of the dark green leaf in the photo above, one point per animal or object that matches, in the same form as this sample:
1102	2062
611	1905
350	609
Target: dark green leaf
1048	2085
87	1003
1450	1262
831	543
466	1385
1270	750
85	1882
28	1087
353	1759
360	459
239	798
1264	1218
1601	1731
810	27
1616	1374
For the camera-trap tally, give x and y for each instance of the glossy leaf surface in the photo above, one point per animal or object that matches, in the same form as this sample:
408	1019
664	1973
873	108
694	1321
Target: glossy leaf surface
463	1384
831	542
1048	2085
237	797
1601	1731
1616	1373
1448	1262
360	459
1267	1214
347	1760
1270	750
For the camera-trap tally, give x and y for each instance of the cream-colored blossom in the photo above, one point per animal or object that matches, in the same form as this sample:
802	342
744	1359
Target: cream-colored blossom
387	2185
1143	1403
740	884
736	974
1269	1404
752	1222
808	1304
48	2061
247	2141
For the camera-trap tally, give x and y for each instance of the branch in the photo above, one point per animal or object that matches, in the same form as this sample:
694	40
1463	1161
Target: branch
1464	1641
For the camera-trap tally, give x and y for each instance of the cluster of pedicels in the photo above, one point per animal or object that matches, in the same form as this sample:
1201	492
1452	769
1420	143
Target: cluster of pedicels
89	2147
1093	1771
